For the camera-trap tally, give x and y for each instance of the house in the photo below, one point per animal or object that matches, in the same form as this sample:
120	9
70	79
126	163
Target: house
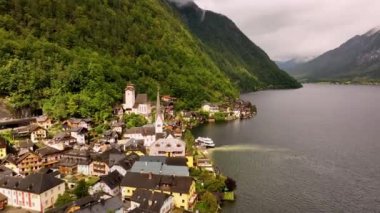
35	192
29	162
170	147
67	167
159	168
118	127
92	204
3	202
3	148
6	172
77	123
35	132
138	105
49	156
161	159
205	163
10	163
144	200
79	133
75	161
64	138
101	163
181	188
26	146
44	121
176	161
146	133
125	164
210	107
134	146
110	136
109	184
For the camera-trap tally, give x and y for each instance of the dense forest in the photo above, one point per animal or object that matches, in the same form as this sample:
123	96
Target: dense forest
246	64
74	57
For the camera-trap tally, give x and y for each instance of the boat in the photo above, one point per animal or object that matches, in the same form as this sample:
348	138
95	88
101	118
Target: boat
207	142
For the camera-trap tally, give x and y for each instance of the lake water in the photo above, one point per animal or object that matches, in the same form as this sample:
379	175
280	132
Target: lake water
315	149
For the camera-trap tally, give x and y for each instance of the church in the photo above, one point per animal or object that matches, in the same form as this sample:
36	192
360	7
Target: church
136	104
148	133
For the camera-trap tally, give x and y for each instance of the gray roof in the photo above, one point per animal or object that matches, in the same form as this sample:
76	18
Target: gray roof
175	170
149	201
112	180
159	168
145	130
35	183
109	205
161	159
147	167
47	150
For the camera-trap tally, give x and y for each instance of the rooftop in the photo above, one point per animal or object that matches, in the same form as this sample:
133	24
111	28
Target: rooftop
35	183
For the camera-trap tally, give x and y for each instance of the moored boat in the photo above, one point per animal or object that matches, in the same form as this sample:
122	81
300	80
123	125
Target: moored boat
207	142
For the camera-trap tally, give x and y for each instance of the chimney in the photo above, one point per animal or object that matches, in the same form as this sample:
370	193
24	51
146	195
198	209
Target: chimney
150	176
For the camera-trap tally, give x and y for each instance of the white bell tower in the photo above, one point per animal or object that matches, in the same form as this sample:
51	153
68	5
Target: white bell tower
159	124
129	97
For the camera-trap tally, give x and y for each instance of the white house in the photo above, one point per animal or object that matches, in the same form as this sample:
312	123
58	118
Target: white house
209	107
79	133
149	201
35	192
109	184
146	133
37	133
170	147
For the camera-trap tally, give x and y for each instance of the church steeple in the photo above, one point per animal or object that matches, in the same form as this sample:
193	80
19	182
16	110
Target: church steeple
159	115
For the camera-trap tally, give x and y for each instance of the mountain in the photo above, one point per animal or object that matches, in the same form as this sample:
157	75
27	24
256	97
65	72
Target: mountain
246	64
288	65
74	57
357	60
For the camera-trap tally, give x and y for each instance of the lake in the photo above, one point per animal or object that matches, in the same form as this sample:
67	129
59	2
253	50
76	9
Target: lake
315	149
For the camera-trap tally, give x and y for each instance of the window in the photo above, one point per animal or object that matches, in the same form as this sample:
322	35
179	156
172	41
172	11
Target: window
183	201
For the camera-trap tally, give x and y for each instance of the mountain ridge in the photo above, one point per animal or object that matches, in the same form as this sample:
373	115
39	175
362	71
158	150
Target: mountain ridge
357	60
242	60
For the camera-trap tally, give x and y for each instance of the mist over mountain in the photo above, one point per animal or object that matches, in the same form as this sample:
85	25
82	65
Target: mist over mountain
357	60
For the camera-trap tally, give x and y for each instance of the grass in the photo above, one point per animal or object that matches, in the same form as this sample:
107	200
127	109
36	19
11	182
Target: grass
229	196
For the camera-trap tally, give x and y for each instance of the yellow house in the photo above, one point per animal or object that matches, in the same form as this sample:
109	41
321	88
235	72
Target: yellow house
190	161
3	148
181	188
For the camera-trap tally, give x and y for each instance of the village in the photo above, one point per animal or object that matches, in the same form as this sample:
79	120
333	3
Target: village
149	166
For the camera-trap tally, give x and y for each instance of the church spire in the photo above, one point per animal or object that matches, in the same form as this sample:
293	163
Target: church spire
159	116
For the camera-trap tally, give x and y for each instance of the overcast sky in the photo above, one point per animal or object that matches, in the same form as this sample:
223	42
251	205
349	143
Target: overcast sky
288	29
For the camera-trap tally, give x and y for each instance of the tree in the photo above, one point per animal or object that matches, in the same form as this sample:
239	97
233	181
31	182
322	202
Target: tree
230	184
189	139
63	199
81	190
134	120
208	203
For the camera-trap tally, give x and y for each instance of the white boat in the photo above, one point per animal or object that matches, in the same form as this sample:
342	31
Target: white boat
207	142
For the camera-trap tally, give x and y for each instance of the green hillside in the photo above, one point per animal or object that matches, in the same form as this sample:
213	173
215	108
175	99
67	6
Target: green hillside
74	57
246	64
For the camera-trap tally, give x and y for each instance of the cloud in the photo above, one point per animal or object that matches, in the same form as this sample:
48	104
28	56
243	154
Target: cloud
298	28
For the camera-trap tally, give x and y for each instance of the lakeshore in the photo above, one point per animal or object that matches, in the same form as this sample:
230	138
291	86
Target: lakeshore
298	156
